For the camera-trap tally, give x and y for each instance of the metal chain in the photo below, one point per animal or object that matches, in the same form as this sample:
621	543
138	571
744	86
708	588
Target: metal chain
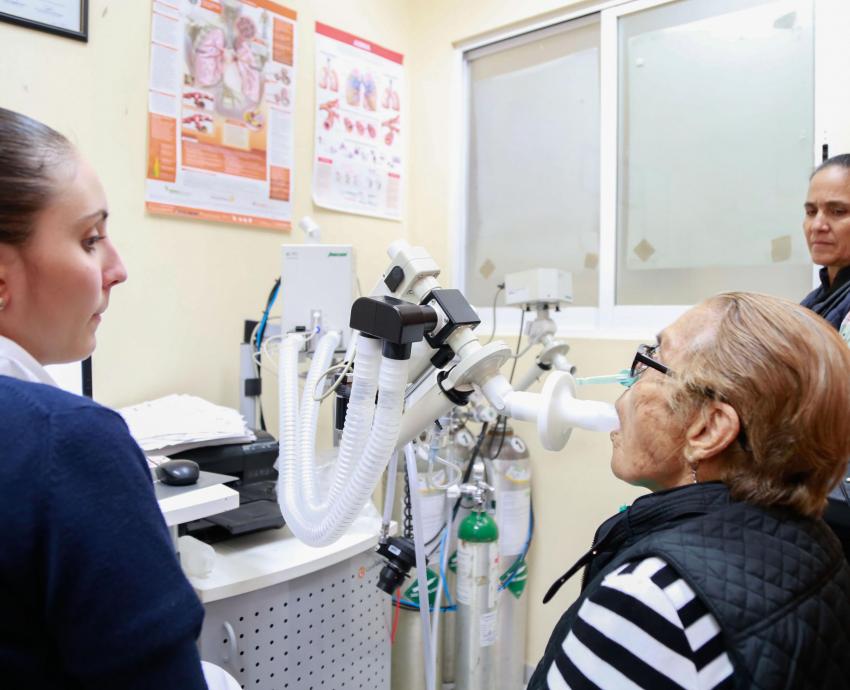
408	510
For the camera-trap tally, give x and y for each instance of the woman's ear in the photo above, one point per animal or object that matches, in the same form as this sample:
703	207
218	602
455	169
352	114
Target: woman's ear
9	258
712	431
4	282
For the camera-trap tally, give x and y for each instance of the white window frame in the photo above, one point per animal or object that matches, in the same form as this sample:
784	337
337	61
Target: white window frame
609	320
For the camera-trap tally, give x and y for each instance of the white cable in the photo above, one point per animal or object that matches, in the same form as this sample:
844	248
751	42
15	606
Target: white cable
435	634
421	567
455	479
389	494
345	366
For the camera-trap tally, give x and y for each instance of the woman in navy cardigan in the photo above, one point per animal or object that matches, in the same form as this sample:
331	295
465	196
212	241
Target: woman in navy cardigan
92	594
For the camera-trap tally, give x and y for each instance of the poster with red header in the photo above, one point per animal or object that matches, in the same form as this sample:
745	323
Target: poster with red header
220	111
358	158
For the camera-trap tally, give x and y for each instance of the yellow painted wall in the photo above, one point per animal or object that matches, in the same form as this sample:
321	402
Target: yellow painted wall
177	323
175	326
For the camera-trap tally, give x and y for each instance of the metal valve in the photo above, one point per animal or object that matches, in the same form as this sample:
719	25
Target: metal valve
478	490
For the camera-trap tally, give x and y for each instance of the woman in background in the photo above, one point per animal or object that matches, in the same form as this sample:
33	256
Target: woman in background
92	594
827	230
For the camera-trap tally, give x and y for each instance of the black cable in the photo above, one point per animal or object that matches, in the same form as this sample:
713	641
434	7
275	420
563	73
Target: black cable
501	418
500	286
518	341
260	354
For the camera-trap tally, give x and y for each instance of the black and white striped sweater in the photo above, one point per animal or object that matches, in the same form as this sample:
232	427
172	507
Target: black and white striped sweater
642	629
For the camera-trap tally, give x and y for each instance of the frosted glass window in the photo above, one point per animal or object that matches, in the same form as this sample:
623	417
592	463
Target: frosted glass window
533	195
716	102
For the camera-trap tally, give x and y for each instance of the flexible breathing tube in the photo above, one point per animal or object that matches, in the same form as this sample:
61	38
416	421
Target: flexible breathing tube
298	431
309	414
365	447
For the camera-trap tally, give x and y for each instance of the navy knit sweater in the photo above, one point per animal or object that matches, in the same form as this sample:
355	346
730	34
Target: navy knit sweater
831	300
91	593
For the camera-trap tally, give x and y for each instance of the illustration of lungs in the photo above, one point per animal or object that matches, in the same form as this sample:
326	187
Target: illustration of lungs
248	73
209	58
386	99
352	88
333	80
323	80
370	92
395	103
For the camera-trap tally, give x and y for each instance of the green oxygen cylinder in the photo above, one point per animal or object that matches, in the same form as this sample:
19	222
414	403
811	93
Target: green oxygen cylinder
477	599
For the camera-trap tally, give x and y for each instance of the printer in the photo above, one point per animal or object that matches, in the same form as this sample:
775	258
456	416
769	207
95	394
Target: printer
256	482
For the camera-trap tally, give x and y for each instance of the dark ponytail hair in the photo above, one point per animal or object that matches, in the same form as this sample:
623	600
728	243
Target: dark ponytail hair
29	151
842	160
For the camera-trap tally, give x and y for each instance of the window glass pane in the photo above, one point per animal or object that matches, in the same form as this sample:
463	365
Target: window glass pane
533	195
715	148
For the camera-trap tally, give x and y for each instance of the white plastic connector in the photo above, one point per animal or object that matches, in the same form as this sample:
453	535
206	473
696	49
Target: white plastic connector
419	269
556	410
312	231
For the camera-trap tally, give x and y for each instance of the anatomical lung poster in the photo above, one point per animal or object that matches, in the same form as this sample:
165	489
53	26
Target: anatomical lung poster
220	102
357	165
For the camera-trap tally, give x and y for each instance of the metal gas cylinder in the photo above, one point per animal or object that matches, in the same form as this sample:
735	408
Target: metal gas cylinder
509	472
477	595
408	659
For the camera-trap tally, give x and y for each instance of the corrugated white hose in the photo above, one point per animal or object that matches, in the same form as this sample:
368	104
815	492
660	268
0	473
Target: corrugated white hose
296	462
298	431
358	416
330	524
380	445
309	416
288	416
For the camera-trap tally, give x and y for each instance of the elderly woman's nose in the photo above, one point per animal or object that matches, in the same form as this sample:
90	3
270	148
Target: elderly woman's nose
820	221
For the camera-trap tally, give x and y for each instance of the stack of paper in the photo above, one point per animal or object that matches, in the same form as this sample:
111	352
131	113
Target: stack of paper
175	423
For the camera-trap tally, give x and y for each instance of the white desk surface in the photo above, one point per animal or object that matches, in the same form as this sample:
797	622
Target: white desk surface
255	561
187	503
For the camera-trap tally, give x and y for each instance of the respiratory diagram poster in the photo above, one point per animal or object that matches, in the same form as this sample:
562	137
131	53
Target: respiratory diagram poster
357	164
220	111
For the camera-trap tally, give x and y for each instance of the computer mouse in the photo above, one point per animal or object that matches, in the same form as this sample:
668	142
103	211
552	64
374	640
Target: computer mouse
178	472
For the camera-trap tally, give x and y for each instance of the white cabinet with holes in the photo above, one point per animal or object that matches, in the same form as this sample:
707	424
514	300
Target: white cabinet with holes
281	615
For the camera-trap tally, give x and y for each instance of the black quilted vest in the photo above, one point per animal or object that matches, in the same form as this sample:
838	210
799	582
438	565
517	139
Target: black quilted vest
777	584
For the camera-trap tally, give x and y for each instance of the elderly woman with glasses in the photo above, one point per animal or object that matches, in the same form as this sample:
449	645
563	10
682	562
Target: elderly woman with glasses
724	576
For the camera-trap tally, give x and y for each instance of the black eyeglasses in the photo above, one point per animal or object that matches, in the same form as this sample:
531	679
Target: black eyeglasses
644	360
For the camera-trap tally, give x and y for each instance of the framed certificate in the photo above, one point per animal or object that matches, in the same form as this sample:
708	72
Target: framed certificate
68	18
